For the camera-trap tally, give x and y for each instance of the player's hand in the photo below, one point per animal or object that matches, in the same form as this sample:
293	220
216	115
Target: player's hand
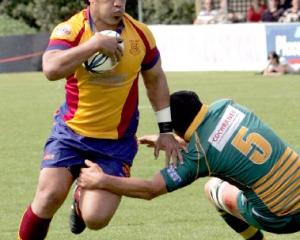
148	140
107	45
91	177
172	148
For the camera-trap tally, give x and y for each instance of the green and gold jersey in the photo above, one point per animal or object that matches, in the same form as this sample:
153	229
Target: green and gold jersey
229	141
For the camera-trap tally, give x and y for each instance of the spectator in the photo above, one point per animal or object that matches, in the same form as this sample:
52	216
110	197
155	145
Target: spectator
287	4
226	14
207	15
292	14
255	11
274	11
277	65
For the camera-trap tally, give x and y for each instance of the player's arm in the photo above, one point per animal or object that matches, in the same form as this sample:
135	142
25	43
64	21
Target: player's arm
150	141
158	94
93	177
58	64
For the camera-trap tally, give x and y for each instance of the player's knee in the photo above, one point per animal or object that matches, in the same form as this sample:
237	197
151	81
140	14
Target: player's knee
222	194
48	198
213	191
96	223
229	198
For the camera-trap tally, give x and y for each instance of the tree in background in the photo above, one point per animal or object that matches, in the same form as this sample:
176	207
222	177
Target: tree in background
45	14
16	9
169	11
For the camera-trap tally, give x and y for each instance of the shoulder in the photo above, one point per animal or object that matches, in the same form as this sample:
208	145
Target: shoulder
141	29
70	28
139	26
221	103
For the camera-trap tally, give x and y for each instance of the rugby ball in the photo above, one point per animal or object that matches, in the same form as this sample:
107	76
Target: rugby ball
99	62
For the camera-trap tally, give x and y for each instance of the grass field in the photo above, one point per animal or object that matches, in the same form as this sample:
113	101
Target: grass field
28	102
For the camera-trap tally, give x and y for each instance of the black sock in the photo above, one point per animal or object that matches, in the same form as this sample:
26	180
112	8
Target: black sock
244	229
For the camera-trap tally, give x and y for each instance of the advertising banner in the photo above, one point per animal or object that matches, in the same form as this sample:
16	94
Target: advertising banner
284	39
215	47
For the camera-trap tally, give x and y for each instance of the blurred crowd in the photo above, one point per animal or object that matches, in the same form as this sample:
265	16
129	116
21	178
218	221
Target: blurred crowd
258	11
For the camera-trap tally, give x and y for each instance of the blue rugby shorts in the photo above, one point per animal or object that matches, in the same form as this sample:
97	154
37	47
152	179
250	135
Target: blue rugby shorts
65	148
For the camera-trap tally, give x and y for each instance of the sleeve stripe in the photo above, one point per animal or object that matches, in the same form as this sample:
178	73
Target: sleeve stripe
63	44
154	59
58	44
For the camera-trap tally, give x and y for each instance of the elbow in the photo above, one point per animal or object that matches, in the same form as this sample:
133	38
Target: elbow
151	195
154	191
52	71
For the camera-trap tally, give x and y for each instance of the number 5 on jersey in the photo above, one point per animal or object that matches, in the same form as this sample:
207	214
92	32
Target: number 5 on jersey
254	146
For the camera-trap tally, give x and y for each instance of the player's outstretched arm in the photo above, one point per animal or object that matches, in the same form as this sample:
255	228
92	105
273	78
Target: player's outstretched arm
150	140
93	177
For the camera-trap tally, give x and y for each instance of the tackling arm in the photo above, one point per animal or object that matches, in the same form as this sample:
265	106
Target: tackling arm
136	187
93	177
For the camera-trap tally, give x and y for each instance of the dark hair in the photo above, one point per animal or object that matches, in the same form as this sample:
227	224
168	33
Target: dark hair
87	2
185	105
273	55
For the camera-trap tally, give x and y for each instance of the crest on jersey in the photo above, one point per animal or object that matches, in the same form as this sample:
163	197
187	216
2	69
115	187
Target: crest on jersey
134	47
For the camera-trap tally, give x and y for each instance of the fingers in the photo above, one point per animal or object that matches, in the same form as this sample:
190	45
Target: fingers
156	151
111	46
168	158
89	163
184	148
118	54
143	140
180	157
119	39
80	182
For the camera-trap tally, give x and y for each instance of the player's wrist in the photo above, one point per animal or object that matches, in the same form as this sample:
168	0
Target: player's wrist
164	121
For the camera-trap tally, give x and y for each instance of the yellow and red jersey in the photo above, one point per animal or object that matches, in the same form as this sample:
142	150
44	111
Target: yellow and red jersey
104	105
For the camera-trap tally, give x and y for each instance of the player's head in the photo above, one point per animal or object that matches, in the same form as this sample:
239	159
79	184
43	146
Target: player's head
107	12
273	57
185	105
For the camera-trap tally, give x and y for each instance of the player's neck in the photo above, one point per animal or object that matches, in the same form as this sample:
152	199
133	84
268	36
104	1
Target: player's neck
100	26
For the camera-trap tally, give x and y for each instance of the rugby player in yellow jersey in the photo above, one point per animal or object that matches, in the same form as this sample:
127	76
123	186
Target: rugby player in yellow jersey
99	118
256	174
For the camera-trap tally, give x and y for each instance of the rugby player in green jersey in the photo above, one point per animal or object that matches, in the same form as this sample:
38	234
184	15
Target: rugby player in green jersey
256	175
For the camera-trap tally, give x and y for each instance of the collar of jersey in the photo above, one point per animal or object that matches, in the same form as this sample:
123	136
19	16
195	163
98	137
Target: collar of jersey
92	26
196	122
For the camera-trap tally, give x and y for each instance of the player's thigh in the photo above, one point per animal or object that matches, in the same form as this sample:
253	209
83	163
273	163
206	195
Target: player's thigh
53	187
223	195
98	207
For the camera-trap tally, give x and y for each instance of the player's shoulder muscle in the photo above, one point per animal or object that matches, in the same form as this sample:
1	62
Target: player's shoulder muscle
69	29
143	30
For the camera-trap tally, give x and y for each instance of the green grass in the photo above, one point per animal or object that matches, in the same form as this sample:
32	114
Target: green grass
9	26
28	102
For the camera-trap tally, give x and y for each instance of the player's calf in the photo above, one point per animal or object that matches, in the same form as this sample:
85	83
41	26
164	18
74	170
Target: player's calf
223	196
32	226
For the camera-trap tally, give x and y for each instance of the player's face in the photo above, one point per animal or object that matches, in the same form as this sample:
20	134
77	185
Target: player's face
109	12
296	4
